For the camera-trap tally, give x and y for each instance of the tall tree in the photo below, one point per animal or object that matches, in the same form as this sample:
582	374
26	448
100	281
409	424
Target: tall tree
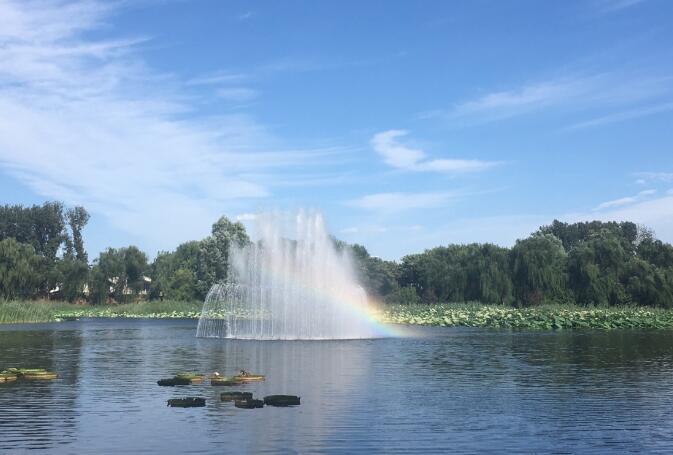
19	270
538	274
213	259
78	217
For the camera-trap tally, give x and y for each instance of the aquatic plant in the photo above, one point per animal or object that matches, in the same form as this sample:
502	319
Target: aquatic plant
542	317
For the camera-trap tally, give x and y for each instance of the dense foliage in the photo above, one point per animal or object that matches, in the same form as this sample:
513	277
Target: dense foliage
596	263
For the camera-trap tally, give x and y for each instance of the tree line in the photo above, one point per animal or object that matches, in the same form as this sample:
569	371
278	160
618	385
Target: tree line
42	255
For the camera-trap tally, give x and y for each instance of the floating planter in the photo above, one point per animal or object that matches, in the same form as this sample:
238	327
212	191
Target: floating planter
187	402
249	404
31	373
249	377
224	380
236	396
193	378
7	377
173	382
281	400
40	376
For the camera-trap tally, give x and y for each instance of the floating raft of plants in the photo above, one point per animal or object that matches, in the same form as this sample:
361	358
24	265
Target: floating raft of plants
187	402
173	382
250	403
249	377
184	378
225	381
236	396
193	378
281	400
30	374
7	377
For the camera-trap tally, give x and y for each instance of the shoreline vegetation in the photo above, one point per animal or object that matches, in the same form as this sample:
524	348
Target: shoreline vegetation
580	275
543	317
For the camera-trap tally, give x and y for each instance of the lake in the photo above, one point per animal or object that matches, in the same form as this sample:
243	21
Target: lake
443	389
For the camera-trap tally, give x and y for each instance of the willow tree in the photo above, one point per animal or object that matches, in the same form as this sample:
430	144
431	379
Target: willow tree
538	270
19	270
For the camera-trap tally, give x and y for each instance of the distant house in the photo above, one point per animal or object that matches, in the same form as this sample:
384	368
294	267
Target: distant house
56	293
147	283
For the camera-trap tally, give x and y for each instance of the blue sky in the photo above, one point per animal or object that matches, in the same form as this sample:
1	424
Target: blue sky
409	124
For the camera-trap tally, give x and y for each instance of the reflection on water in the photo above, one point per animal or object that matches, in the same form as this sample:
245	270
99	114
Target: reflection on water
459	390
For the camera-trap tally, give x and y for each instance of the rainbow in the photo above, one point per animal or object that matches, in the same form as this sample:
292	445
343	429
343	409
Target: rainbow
369	313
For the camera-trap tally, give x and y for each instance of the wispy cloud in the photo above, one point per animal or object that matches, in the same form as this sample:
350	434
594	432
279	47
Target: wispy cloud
600	94
654	177
89	122
217	78
623	116
244	16
625	200
611	6
616	203
376	229
401	156
398	202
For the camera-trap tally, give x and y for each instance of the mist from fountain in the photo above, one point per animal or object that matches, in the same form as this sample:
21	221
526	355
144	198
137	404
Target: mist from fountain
293	283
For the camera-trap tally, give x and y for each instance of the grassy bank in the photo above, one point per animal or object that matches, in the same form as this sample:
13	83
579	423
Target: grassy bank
543	317
448	315
44	311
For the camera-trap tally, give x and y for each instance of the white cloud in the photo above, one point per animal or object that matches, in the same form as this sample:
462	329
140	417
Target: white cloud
616	203
654	176
623	116
530	97
625	200
88	122
397	202
217	78
598	93
394	153
401	156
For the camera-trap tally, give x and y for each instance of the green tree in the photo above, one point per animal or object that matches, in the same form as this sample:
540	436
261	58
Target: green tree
213	257
595	269
656	252
121	270
649	285
73	275
19	266
538	274
379	277
78	217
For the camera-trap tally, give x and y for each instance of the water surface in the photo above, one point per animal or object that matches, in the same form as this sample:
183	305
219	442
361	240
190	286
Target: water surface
447	389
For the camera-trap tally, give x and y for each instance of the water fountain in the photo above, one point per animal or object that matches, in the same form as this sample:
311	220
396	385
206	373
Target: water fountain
294	283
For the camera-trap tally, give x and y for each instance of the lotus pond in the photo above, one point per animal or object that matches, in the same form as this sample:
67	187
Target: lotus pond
546	317
440	390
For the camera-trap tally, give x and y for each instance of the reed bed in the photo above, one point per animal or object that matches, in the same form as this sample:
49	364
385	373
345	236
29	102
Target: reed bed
45	311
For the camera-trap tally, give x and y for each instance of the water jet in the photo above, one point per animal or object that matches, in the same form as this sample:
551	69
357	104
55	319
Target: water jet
294	283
